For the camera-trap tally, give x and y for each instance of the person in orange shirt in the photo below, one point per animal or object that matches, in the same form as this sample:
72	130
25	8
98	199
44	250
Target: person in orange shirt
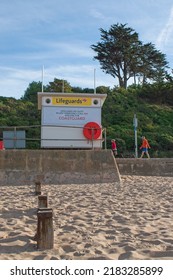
145	145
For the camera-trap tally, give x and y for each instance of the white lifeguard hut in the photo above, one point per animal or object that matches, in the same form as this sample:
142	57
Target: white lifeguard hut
71	120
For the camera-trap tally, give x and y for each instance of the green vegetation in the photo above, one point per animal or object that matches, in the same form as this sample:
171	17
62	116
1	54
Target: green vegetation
155	119
15	113
152	104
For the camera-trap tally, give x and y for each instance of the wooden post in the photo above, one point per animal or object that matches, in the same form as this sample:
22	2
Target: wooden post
42	201
45	234
37	188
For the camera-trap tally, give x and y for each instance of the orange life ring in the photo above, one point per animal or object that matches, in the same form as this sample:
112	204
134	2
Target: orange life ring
92	130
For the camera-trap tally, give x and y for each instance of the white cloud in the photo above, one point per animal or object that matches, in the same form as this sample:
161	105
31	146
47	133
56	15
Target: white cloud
79	75
166	32
77	48
50	52
96	14
14	82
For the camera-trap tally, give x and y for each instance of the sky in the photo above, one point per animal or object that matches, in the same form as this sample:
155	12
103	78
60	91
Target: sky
56	35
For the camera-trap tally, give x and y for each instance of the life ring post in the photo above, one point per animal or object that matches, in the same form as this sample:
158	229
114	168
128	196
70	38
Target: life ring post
92	130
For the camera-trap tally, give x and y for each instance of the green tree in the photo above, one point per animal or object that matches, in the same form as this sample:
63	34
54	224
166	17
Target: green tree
152	64
103	89
116	51
77	89
59	86
122	55
31	92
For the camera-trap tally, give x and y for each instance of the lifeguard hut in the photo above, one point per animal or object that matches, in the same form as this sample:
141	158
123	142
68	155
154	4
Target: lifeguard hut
71	120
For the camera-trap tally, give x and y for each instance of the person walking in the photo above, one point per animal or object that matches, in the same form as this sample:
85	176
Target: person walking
144	147
114	147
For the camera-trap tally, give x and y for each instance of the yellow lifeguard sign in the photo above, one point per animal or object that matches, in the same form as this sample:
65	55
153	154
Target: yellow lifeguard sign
71	101
64	116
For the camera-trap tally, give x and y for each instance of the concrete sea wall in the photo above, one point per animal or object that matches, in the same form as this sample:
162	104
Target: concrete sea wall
18	167
146	167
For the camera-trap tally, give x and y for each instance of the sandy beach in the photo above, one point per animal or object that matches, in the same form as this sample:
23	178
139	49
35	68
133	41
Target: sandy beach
91	222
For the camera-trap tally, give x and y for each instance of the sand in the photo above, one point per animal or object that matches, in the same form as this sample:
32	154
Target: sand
91	222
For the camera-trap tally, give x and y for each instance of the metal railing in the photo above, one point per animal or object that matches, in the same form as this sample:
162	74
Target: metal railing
32	138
